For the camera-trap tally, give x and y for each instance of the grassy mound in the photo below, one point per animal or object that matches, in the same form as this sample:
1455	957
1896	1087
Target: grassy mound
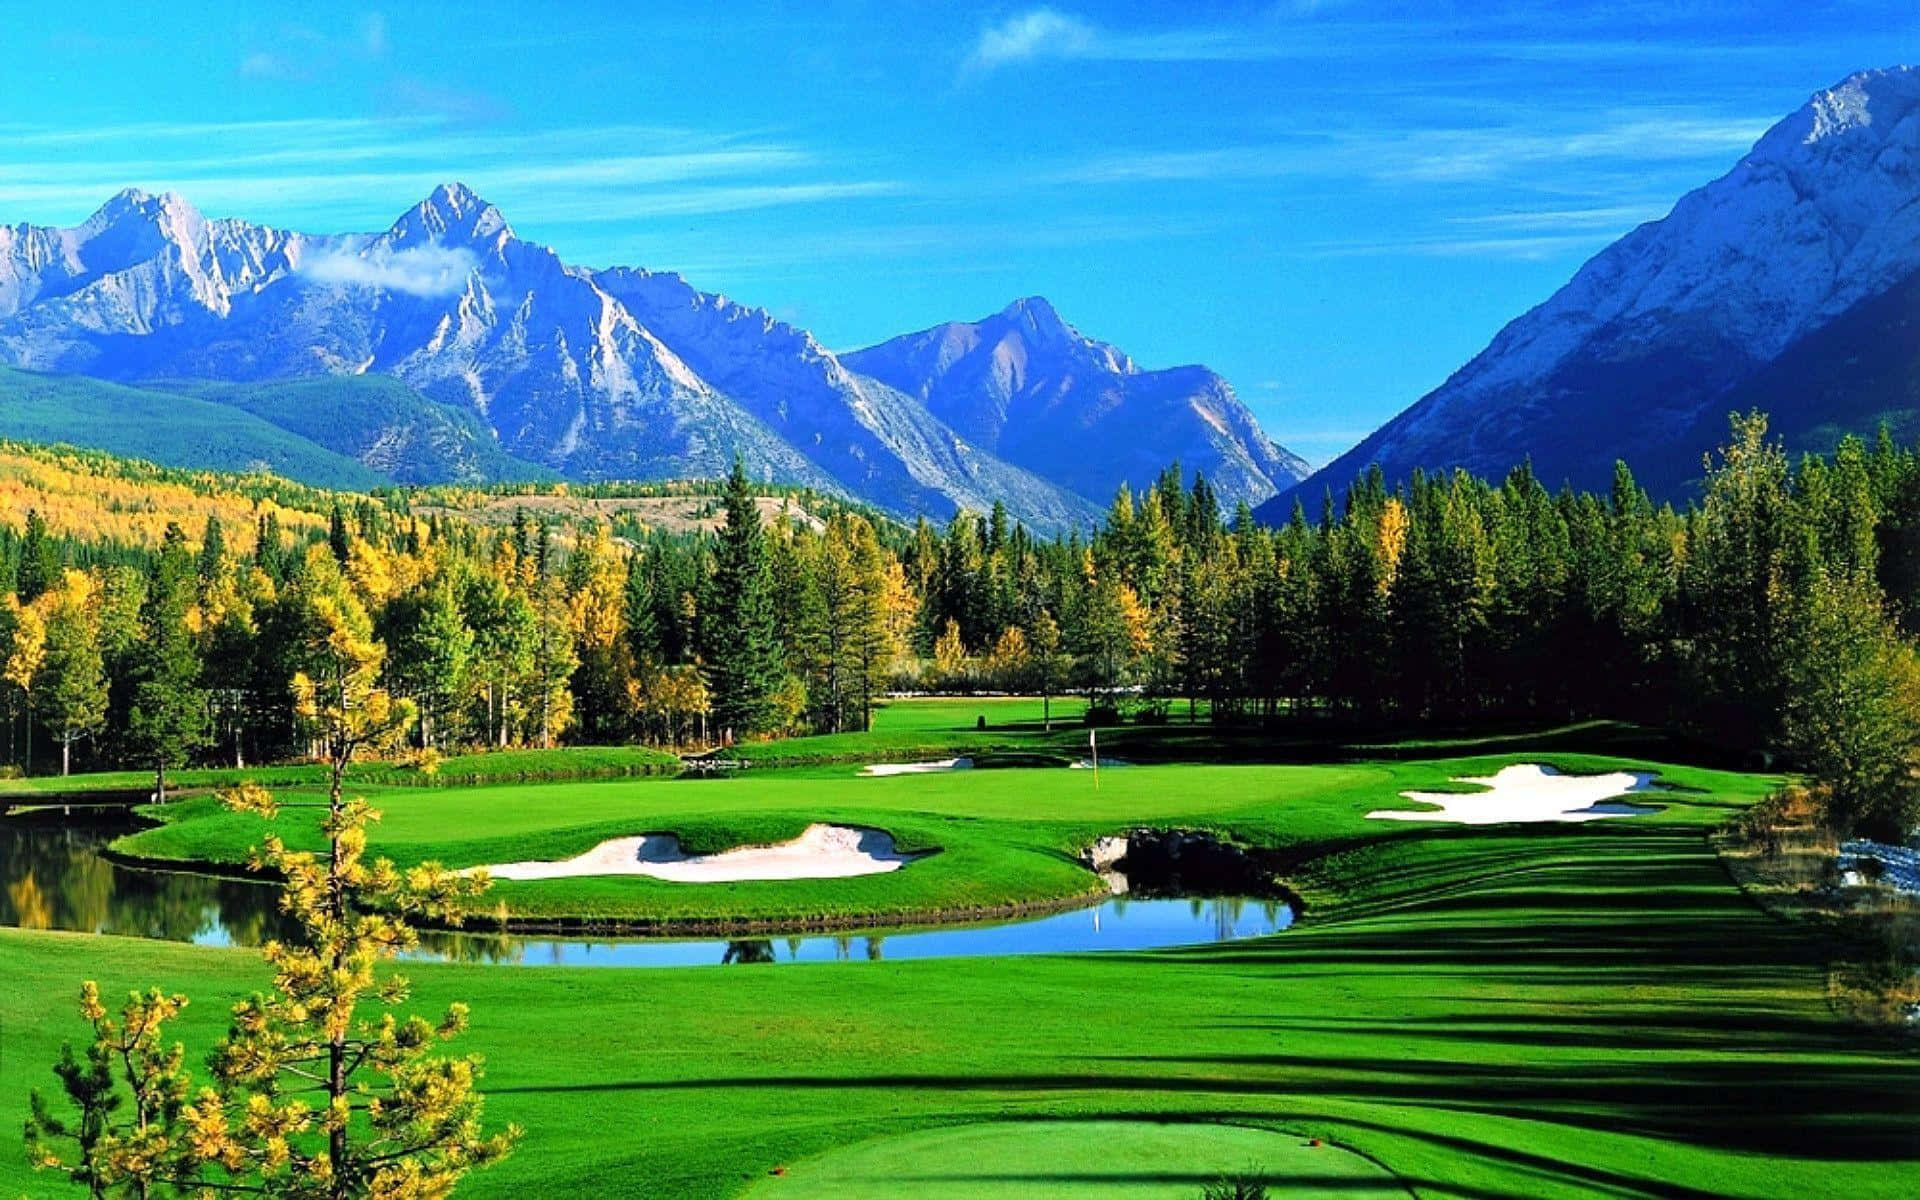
1071	1160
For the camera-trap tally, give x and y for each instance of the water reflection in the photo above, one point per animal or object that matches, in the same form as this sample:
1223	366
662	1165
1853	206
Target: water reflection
53	877
1119	923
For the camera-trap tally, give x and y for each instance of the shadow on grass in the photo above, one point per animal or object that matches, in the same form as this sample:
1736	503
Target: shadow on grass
1504	986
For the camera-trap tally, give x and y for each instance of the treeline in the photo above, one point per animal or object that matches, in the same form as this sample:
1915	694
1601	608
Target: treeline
1773	616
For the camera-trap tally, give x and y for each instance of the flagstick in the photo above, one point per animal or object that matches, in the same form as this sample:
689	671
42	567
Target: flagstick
1093	745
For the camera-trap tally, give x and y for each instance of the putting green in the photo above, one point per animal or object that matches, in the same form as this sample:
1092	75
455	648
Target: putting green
1077	1160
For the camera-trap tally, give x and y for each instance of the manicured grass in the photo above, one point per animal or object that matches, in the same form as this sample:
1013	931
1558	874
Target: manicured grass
1061	1160
921	728
1499	1013
498	766
1006	837
1492	1014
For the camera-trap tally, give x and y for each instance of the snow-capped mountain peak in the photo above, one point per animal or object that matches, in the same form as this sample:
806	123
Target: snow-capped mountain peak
617	373
1041	328
1633	354
453	215
136	224
1862	100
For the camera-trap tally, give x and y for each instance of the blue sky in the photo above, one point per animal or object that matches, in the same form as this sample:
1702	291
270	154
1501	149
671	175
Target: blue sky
1333	204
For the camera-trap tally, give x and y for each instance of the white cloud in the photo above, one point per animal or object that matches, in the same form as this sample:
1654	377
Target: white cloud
262	64
418	271
1039	33
1633	139
373	34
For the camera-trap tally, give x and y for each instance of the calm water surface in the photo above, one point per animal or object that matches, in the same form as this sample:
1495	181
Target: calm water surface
53	877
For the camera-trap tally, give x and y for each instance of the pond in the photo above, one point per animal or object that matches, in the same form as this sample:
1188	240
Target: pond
52	876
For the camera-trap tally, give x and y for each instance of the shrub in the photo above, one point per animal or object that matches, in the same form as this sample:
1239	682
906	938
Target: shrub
1236	1187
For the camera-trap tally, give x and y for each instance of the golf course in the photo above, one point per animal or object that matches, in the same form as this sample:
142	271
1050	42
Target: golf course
1538	1008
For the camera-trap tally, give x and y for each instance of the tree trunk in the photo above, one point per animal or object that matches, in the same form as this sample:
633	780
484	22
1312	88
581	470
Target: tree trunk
336	1043
160	781
66	756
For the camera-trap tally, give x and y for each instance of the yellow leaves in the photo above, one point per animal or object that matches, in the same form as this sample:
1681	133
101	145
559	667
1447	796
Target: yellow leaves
27	643
949	652
1010	654
1390	541
1136	619
306	697
32	907
250	797
94	500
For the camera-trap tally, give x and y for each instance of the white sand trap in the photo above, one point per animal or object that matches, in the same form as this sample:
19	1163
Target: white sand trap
938	766
1086	764
1530	792
822	852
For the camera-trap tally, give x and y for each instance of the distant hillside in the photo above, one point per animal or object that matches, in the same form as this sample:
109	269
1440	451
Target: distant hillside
178	430
95	497
378	421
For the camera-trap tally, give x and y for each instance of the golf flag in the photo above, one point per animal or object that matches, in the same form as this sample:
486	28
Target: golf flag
1093	750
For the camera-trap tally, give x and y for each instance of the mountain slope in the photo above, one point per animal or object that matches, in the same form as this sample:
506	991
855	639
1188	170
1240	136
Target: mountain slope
1644	351
613	374
1030	388
179	431
874	441
376	420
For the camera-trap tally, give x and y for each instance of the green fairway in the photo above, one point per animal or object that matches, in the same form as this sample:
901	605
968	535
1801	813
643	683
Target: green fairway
1496	1013
1004	837
1064	1160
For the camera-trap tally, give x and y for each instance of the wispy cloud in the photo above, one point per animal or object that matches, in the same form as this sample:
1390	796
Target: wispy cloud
308	173
1519	247
1427	156
1563	220
418	271
1040	33
970	247
373	34
299	53
1049	33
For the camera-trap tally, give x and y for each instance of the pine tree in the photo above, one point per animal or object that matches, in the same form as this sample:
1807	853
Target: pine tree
168	719
39	566
213	550
739	631
337	539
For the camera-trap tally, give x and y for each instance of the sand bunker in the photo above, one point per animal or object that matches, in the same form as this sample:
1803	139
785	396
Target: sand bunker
1530	792
822	852
936	767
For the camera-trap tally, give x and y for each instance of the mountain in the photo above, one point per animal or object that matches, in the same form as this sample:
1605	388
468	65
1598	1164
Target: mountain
499	360
180	431
1770	286
1030	388
376	420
